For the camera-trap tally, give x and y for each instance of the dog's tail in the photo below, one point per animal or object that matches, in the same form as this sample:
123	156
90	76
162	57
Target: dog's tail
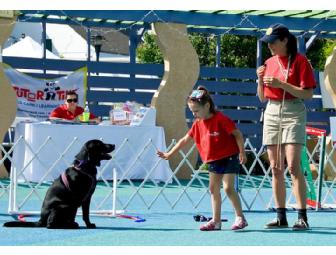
22	224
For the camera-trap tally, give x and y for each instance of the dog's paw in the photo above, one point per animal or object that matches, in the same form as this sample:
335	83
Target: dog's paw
91	225
75	225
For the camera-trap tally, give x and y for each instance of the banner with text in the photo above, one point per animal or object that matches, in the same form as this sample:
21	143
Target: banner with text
36	98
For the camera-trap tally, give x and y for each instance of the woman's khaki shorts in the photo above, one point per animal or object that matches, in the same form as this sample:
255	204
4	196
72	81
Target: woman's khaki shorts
293	124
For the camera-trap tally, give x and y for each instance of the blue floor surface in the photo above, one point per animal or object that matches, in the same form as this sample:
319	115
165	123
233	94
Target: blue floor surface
172	227
175	228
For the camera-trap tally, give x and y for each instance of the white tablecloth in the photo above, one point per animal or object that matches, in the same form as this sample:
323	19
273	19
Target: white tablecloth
43	147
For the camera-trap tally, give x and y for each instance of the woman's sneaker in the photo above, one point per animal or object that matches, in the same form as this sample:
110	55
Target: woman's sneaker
211	226
240	223
276	223
300	225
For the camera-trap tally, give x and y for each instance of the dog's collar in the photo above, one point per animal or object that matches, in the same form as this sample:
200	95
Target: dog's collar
79	165
77	168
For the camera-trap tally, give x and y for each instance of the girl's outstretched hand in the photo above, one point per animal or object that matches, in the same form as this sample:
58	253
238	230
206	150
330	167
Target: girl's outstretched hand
163	155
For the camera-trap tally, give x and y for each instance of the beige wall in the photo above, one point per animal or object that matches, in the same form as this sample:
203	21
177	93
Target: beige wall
181	71
7	94
330	76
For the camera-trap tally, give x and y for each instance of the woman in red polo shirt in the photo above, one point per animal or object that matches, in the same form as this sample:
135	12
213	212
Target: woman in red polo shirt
221	146
285	80
70	109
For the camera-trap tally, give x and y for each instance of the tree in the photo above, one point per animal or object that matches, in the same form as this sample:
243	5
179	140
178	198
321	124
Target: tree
236	51
318	53
148	51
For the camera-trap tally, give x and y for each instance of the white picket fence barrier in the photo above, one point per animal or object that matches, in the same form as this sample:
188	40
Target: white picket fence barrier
255	190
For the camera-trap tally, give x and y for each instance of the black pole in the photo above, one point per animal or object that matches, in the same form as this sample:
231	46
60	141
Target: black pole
97	48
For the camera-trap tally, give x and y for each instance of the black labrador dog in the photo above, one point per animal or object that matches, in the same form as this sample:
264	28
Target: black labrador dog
71	190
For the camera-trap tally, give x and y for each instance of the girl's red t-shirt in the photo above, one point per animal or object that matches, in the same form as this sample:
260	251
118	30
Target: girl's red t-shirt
300	74
213	137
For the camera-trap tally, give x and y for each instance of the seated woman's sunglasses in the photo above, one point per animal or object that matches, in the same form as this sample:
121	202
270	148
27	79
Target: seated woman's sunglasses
70	100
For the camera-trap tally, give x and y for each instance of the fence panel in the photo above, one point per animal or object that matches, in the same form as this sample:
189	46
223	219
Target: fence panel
147	194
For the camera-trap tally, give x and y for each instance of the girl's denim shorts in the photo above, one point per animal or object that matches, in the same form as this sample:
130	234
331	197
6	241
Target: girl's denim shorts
228	165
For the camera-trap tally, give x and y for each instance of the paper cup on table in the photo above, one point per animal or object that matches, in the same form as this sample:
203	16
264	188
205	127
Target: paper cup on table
86	116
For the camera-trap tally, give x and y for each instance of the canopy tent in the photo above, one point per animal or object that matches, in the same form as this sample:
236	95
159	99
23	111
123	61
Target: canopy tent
67	43
27	48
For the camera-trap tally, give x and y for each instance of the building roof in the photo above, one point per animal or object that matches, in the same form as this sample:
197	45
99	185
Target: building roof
114	41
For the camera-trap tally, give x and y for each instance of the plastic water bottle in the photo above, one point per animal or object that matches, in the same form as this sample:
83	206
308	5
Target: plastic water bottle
86	113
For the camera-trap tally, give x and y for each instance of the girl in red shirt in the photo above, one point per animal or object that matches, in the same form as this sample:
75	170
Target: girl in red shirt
221	146
285	80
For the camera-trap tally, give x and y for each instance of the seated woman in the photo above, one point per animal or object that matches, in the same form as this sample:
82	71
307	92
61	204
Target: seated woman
70	110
